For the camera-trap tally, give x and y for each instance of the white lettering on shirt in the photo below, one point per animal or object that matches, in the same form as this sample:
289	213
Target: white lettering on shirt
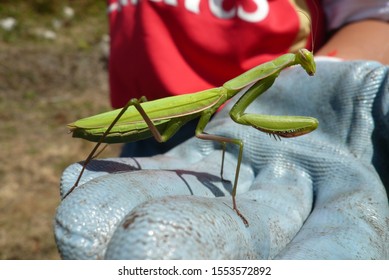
215	6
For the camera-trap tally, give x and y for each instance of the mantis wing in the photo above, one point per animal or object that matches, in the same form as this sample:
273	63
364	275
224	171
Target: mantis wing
132	126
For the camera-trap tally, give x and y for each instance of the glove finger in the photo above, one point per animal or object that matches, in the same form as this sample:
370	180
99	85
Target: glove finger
288	192
348	222
93	210
183	227
203	228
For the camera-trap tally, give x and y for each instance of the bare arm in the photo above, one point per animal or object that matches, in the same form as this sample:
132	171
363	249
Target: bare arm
367	39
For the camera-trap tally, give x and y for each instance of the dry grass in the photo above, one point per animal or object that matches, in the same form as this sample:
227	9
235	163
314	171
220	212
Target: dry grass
44	86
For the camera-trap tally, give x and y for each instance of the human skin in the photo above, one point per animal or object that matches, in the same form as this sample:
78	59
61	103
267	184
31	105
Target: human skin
365	40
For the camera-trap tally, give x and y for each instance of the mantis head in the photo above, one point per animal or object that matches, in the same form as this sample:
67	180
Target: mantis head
306	60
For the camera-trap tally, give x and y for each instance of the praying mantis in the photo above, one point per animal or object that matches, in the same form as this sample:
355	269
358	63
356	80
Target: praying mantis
162	118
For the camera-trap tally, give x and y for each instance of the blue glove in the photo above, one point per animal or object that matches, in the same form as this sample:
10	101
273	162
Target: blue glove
318	196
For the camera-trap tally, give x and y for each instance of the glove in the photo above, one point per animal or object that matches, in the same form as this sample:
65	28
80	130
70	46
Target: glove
318	196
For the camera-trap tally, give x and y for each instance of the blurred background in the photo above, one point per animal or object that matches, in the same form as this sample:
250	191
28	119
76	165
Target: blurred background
53	57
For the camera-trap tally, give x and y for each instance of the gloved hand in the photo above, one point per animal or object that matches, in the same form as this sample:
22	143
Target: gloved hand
318	196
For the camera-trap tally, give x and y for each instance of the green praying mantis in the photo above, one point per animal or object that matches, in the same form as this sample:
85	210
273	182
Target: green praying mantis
162	118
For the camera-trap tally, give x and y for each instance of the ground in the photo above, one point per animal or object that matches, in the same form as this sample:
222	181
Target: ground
45	83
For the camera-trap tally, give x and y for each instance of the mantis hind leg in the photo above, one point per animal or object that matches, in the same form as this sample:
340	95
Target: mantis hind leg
94	150
170	130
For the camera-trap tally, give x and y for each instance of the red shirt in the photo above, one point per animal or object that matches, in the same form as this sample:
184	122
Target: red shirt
170	47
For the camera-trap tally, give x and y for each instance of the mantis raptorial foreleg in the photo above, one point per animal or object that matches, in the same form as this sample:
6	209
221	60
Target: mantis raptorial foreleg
162	118
280	126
